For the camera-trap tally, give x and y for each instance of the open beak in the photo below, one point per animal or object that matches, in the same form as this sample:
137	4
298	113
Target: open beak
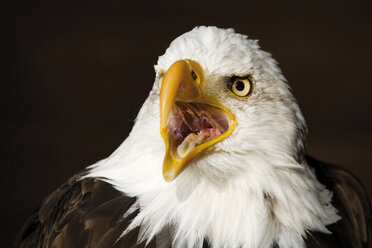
190	120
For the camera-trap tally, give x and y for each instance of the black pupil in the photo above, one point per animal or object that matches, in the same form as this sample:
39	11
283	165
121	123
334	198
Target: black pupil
239	85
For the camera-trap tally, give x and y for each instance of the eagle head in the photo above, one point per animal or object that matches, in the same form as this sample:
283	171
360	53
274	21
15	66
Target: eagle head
223	101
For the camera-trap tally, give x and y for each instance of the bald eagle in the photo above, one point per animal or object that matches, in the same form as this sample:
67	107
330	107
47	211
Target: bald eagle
215	159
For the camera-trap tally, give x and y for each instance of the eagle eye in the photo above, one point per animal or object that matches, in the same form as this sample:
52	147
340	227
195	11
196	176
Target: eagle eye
241	86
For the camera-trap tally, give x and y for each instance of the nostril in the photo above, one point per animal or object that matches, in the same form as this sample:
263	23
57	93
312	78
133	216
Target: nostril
193	75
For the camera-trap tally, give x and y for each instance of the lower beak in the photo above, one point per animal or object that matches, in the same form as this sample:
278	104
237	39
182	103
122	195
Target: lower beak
181	91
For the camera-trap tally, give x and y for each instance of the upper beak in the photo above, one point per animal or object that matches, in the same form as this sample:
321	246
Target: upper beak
178	84
182	83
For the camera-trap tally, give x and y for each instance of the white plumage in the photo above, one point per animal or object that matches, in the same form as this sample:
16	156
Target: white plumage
253	188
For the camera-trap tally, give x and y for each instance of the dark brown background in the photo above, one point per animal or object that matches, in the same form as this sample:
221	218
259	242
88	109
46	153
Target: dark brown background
75	74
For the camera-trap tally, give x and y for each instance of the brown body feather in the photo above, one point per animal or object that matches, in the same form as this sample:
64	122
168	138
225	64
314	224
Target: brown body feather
81	214
351	200
91	213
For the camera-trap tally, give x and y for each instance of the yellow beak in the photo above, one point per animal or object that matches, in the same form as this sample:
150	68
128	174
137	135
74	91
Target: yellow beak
182	83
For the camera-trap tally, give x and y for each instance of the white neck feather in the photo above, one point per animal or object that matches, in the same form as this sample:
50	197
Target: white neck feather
261	205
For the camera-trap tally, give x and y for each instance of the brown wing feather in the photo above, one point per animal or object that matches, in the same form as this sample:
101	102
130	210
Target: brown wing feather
81	213
351	200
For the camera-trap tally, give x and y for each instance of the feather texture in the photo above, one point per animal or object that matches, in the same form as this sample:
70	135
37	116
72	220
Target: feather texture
81	213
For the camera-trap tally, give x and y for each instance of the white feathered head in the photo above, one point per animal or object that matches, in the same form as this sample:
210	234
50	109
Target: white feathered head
221	96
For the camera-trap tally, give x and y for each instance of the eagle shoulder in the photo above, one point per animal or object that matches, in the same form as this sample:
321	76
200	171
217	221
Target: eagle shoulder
351	200
86	212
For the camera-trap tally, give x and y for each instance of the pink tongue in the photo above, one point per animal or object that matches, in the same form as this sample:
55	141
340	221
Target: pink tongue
198	138
203	135
192	140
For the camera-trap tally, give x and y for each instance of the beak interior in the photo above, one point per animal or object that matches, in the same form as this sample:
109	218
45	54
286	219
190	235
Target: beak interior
193	124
